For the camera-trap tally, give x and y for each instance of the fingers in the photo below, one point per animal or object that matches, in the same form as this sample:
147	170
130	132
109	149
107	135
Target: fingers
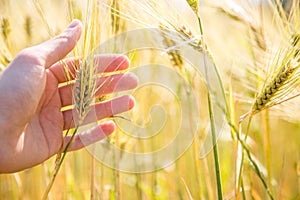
112	62
101	110
58	47
105	63
105	85
90	136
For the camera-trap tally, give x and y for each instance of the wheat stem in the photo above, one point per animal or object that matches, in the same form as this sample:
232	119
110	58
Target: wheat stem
267	144
252	161
115	16
212	124
92	187
215	149
57	166
187	189
40	11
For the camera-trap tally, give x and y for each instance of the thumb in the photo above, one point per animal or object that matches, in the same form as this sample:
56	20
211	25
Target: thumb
58	47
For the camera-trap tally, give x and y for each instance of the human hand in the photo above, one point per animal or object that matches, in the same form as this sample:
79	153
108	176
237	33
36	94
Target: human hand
31	119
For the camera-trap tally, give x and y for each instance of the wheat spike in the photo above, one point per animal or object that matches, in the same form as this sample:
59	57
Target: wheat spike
285	78
295	39
174	54
173	39
194	5
187	35
85	87
28	27
274	87
238	14
281	84
5	57
5	28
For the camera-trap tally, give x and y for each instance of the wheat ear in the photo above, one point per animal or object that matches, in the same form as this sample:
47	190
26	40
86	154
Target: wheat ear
194	4
28	27
277	84
283	81
174	54
85	87
5	28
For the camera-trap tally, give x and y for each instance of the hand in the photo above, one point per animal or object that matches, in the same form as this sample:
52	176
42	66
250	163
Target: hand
31	120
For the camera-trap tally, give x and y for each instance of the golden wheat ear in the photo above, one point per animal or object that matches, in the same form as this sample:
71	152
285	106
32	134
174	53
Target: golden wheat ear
85	88
282	82
5	28
194	4
174	54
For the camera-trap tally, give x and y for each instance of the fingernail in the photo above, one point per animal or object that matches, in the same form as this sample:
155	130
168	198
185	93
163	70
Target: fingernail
74	23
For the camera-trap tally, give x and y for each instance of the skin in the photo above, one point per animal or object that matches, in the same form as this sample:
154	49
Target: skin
31	119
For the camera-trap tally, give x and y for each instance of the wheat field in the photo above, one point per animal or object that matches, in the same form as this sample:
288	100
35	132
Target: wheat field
237	118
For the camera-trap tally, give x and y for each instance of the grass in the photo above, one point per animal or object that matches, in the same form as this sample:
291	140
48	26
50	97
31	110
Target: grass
257	61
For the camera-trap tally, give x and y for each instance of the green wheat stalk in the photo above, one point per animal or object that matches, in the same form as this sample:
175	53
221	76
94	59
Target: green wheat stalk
211	115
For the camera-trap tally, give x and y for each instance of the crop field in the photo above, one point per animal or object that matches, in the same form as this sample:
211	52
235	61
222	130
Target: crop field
217	112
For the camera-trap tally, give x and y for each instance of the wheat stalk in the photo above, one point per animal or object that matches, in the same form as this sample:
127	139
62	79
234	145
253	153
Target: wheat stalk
115	16
201	46
74	11
41	13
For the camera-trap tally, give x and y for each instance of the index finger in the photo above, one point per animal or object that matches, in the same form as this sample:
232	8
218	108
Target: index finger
105	63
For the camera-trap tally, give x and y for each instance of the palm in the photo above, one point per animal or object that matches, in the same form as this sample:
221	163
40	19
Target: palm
44	133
